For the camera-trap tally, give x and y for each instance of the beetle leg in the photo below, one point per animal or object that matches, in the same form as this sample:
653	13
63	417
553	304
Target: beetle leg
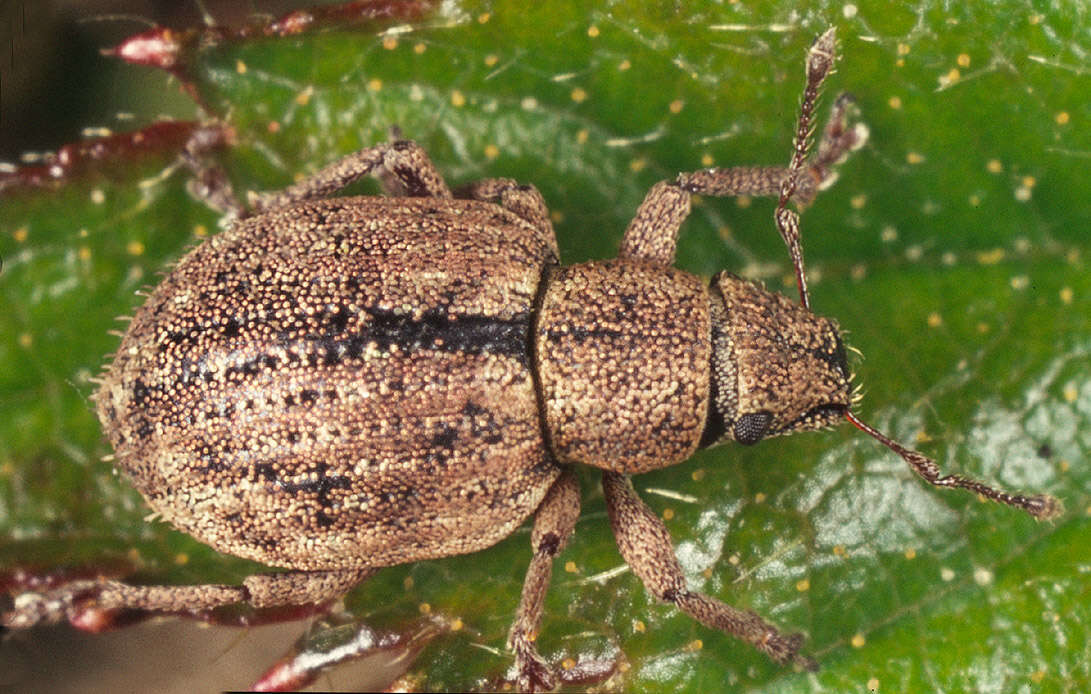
210	183
262	590
653	233
553	525
646	547
301	587
403	167
522	199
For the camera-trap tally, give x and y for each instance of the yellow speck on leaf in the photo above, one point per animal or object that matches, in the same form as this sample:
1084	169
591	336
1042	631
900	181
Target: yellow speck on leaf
1070	393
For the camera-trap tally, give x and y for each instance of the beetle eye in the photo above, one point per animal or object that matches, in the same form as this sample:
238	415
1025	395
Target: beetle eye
750	428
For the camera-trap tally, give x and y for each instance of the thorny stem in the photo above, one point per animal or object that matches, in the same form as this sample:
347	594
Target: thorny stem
1041	506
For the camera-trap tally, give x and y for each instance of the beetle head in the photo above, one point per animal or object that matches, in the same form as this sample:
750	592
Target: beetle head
777	368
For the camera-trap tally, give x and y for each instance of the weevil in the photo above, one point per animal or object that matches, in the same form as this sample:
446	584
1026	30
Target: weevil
335	385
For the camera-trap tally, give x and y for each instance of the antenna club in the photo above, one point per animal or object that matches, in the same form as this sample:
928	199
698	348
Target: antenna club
1044	506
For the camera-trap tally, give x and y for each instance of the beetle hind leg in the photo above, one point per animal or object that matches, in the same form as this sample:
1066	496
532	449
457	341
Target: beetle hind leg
553	525
72	599
646	547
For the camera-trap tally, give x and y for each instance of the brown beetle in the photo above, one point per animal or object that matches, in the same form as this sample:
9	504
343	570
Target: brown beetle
335	385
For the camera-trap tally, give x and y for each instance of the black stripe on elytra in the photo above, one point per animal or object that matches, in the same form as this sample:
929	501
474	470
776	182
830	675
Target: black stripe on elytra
321	486
434	330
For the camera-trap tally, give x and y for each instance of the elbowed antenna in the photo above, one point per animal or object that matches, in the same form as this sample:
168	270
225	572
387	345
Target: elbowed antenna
1041	506
820	61
838	139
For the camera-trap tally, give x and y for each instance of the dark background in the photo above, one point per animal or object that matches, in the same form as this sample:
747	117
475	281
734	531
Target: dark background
54	83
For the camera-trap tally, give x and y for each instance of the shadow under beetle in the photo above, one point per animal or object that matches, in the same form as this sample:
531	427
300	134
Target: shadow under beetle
335	385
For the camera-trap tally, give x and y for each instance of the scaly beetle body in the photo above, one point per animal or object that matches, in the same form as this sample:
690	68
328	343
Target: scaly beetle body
340	384
361	371
335	385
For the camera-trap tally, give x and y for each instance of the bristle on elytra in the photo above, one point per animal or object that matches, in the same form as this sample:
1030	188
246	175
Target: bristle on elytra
1041	506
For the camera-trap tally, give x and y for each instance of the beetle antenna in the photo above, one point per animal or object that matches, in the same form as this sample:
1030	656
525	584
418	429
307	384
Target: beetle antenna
820	60
1041	506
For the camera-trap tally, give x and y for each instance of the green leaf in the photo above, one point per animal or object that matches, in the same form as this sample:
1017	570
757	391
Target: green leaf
952	251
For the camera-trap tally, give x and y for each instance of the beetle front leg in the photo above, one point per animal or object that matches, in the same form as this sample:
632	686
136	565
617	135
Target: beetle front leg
646	547
653	233
553	525
261	590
